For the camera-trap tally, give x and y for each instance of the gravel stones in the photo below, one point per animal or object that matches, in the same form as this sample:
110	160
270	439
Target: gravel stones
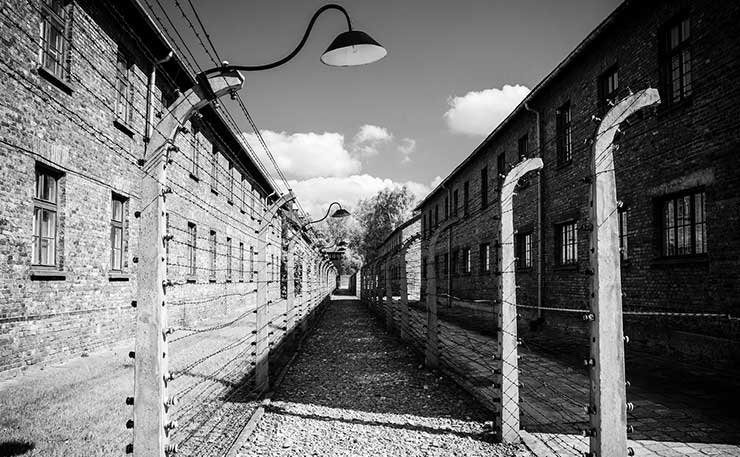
354	390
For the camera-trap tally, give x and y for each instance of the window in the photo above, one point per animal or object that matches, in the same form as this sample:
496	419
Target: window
124	90
485	258
501	169
566	246
522	147
212	271
251	264
466	197
214	170
676	60
45	209
436	215
245	192
455	262
684	225
192	248
228	258
447	207
623	234
230	197
56	18
116	232
523	251
608	85
484	187
466	261
195	151
563	134
455	202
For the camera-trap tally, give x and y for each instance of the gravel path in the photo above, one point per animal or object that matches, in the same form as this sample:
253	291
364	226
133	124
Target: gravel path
354	390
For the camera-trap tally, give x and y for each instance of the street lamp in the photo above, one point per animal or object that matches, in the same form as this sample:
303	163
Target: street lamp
350	48
341	212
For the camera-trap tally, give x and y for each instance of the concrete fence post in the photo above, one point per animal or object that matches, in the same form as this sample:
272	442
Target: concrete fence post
388	294
608	404
151	402
404	299
290	288
508	365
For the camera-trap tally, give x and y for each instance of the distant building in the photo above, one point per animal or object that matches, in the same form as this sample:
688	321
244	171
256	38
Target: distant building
677	170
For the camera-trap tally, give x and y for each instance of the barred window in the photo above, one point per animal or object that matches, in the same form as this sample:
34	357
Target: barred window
523	251
676	60
116	232
45	209
484	186
501	169
228	258
684	225
212	271
563	134
523	147
192	248
566	243
608	85
485	257
623	234
56	19
251	263
467	267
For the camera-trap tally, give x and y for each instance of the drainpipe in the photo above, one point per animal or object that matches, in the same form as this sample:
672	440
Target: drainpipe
540	230
150	97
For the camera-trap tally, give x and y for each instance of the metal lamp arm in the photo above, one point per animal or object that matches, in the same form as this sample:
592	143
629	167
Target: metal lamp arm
331	6
328	210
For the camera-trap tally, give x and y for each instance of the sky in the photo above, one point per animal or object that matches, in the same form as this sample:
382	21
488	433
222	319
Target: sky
454	70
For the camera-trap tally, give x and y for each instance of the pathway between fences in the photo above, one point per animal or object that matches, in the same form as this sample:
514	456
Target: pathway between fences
355	390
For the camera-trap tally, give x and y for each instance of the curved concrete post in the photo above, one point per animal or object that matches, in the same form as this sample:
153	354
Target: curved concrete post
431	358
508	366
150	367
608	434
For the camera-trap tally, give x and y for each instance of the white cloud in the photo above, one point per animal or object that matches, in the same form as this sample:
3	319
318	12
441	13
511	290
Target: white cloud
436	181
315	194
406	147
306	155
369	138
478	113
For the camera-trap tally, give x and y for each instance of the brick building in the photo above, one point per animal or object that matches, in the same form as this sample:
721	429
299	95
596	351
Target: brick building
677	172
84	84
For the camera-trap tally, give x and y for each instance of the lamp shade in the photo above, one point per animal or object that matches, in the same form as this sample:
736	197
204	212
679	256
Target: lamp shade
353	48
341	212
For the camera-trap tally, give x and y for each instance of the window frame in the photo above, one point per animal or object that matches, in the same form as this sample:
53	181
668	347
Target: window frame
564	133
61	21
455	202
692	225
45	206
214	169
229	259
484	257
124	106
120	226
604	94
524	251
212	238
623	223
467	261
192	248
194	152
522	146
562	250
484	186
666	60
466	198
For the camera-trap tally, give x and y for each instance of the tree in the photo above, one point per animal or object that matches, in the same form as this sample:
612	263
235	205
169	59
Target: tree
380	214
349	230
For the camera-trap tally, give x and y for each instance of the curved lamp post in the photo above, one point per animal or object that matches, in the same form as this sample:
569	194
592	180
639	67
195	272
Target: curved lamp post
350	48
341	212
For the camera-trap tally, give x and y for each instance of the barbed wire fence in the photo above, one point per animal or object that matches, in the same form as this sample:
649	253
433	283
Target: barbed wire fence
562	401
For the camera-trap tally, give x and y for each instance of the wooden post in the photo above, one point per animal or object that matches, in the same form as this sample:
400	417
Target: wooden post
151	425
508	366
608	433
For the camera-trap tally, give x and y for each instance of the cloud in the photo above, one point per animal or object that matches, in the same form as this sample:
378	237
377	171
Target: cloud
306	155
436	181
406	147
315	194
478	113
369	138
